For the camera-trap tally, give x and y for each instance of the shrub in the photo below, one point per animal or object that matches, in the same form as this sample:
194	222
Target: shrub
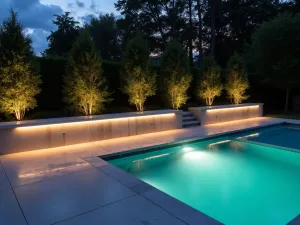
139	81
175	70
237	80
85	88
210	85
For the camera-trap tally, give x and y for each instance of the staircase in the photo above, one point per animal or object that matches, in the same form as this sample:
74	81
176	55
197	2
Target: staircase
188	120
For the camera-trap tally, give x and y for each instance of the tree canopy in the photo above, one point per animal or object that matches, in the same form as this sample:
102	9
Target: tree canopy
106	36
275	51
139	80
12	39
61	40
210	85
19	83
175	68
85	89
236	80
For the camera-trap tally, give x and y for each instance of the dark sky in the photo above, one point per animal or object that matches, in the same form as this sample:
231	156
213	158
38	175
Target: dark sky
37	15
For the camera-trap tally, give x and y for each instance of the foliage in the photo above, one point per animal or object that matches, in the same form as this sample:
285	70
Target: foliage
52	70
175	69
237	80
18	83
210	85
106	36
198	22
136	53
177	87
158	20
18	87
275	52
61	40
139	81
139	85
85	88
12	40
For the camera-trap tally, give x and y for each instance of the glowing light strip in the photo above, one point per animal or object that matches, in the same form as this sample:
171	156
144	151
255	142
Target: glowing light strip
233	108
219	142
90	121
250	135
152	157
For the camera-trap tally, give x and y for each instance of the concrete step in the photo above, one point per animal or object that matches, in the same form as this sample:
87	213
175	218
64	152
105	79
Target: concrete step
185	114
188	118
190	123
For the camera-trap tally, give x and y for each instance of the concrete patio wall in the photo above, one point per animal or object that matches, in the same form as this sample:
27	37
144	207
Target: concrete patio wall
48	133
226	113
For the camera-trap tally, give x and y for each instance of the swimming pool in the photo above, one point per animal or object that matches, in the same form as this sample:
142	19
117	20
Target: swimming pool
249	178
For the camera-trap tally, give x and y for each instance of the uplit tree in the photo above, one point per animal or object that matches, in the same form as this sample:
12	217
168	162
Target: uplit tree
175	68
139	81
237	80
19	83
85	89
210	85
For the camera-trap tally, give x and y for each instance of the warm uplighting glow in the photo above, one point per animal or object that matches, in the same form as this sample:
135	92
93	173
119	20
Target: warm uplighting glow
233	108
49	171
90	121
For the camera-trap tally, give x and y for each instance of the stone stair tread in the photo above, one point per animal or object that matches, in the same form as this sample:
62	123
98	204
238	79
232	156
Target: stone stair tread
185	119
190	122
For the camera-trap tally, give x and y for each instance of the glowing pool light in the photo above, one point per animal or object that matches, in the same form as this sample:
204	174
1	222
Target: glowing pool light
187	149
195	155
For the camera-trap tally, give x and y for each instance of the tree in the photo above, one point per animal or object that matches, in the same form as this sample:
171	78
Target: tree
139	81
106	36
176	72
234	23
61	40
158	20
237	80
19	83
210	81
275	52
199	34
85	89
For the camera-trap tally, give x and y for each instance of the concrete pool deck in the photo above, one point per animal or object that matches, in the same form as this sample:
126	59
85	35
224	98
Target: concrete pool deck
71	185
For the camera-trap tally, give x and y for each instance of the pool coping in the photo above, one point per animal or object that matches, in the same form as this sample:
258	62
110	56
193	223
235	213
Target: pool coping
175	207
116	155
170	204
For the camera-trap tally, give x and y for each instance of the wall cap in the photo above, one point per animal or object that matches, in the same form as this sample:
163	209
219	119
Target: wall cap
25	123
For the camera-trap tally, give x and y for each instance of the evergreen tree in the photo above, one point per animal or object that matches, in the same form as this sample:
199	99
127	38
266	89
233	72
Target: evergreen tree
85	89
139	81
237	80
210	85
275	53
106	36
175	69
61	40
19	83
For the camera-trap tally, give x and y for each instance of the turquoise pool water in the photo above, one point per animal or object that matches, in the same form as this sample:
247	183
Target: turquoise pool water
230	179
